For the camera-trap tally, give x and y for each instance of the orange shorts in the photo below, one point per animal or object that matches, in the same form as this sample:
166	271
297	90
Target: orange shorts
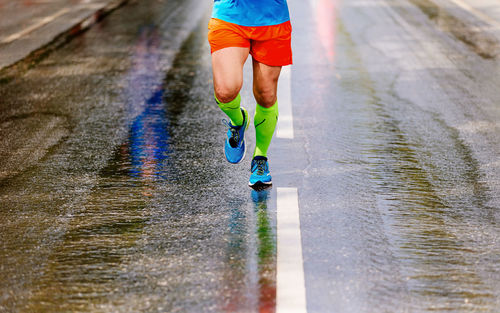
270	45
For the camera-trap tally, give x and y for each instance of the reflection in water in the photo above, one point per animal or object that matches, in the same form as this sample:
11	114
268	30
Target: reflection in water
326	22
131	241
235	279
89	261
250	285
149	137
266	253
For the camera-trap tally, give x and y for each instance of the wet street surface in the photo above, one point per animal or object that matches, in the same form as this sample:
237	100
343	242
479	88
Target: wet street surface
115	195
30	29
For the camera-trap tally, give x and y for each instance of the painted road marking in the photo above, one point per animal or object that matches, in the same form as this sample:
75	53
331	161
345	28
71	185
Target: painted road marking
35	26
285	120
291	290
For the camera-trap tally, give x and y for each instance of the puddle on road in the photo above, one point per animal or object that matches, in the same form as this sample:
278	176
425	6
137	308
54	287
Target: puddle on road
266	251
249	278
156	233
85	266
163	231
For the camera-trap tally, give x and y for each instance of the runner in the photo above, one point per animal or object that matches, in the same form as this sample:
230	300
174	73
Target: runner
262	29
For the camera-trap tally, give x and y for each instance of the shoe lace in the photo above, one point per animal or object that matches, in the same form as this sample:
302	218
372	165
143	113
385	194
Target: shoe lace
261	166
235	134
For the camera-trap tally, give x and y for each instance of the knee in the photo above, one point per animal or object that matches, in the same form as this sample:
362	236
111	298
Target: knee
265	97
227	92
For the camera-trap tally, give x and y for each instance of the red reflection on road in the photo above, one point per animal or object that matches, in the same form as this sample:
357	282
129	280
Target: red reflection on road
326	20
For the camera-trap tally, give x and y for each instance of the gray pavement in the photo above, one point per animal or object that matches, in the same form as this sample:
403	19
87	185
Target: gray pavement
400	190
115	195
474	22
29	28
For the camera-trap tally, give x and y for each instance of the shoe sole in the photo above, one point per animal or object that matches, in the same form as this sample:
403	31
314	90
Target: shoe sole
260	183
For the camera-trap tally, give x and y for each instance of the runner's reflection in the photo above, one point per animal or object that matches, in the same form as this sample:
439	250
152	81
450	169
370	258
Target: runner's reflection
250	274
236	270
266	251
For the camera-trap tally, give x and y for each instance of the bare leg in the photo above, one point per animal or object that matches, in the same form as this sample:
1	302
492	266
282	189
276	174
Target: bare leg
265	83
227	67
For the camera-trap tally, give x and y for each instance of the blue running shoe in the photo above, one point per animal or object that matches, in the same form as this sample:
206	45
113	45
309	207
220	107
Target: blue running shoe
235	145
260	172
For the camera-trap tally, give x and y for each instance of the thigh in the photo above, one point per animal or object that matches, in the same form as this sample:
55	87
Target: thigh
227	68
230	47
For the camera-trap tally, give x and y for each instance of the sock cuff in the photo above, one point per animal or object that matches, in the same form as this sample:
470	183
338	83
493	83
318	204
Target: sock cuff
273	109
235	103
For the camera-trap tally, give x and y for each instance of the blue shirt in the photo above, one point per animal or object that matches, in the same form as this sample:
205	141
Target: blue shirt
251	12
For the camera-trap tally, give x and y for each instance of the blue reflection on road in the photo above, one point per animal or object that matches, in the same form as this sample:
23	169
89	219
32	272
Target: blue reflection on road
148	137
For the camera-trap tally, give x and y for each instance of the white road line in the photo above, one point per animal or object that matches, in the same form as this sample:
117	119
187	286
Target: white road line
35	26
285	120
291	291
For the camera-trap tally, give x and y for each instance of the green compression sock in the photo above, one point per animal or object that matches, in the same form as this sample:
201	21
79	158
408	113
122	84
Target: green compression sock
265	122
232	110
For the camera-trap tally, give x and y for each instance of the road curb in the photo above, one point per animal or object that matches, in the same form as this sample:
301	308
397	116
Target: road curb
462	24
8	72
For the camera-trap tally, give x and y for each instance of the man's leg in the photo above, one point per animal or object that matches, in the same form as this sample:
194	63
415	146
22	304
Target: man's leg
265	85
227	67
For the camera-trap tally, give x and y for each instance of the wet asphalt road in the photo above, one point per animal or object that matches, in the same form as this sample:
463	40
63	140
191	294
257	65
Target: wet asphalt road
115	196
